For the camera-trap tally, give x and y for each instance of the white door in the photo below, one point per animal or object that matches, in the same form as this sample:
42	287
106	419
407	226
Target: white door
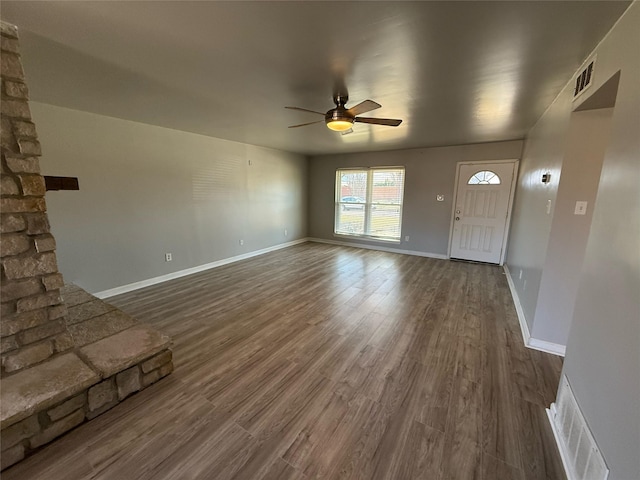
482	207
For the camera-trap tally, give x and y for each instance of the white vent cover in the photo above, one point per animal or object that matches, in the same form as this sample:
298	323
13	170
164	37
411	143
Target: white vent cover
584	79
580	454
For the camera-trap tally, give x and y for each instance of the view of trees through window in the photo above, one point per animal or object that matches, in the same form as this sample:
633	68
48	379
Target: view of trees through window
369	202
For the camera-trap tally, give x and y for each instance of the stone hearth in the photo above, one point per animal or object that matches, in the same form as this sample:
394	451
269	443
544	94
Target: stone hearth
114	357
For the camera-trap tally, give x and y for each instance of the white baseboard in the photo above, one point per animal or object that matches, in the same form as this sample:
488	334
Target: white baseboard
380	248
551	415
524	327
549	347
189	271
530	342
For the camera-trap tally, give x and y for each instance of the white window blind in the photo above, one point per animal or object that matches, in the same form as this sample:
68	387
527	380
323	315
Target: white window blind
369	202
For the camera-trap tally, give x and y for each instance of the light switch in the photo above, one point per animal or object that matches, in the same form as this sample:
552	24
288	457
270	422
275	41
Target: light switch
548	207
581	208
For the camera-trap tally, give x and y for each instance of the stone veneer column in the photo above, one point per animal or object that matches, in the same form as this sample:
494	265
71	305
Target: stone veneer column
32	324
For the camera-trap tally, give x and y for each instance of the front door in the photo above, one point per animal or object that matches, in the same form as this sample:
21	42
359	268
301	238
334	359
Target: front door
482	207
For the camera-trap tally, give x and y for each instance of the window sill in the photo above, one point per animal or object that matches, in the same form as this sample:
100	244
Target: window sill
367	238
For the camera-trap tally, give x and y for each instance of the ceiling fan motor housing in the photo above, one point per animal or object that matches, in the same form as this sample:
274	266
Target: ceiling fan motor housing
339	117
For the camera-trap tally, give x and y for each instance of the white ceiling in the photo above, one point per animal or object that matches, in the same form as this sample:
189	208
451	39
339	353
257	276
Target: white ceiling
455	72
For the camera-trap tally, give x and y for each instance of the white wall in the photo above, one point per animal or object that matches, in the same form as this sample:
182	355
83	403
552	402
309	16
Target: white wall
602	359
428	172
147	190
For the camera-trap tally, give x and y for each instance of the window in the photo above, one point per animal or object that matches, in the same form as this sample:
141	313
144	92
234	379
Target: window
369	202
485	177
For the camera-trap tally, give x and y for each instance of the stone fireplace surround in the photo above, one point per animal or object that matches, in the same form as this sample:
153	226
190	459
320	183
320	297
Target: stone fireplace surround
66	355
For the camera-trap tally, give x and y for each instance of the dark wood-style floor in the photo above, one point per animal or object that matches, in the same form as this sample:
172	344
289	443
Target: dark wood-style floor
329	362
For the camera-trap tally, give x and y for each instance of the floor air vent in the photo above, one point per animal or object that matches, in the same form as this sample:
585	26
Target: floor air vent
580	454
584	78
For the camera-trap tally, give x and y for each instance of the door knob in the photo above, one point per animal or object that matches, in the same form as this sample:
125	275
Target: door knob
457	218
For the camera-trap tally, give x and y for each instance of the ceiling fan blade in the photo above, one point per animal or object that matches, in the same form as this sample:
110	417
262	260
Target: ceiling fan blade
391	122
305	124
364	107
305	110
346	132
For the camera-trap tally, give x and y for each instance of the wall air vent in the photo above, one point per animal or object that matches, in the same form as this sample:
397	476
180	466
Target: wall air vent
580	455
584	79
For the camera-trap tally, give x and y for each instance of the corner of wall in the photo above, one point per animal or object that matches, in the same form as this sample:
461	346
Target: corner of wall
529	341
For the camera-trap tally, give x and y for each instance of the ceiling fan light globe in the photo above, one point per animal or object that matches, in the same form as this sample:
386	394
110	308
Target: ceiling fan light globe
339	125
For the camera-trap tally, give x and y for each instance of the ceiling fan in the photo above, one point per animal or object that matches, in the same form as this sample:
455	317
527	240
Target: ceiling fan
341	119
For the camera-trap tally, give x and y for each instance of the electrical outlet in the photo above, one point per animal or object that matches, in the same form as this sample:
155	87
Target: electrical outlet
241	242
406	238
286	232
167	257
581	208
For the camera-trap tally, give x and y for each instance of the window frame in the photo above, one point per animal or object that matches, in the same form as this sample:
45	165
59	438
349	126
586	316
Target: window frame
484	181
368	205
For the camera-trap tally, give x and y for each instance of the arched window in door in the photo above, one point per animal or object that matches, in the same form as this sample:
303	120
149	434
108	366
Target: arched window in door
485	177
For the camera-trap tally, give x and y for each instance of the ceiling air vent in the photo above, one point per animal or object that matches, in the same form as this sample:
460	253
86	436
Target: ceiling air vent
584	78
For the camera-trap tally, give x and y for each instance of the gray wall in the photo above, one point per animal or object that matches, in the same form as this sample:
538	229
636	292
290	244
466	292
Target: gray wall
603	352
602	360
530	223
546	250
429	172
146	190
588	137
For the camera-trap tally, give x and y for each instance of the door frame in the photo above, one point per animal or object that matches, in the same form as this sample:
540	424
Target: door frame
512	191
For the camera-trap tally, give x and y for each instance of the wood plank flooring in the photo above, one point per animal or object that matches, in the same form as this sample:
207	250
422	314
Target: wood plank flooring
320	361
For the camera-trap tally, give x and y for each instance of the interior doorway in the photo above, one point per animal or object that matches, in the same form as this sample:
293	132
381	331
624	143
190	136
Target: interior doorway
588	138
482	210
